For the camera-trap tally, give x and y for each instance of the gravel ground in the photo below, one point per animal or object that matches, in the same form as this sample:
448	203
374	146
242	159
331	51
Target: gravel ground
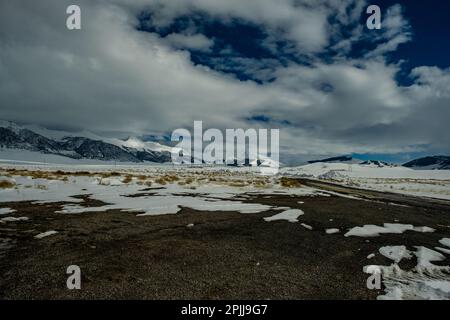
222	256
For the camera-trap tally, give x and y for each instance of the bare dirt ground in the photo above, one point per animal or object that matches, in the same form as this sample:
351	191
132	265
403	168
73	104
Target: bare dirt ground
223	256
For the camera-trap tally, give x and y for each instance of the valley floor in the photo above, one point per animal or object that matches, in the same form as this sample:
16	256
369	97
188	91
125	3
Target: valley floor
201	234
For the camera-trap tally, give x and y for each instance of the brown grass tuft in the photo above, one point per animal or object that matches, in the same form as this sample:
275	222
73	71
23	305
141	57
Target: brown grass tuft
161	181
290	183
127	179
5	184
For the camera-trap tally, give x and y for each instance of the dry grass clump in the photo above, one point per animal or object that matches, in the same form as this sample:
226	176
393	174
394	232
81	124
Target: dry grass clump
161	181
186	181
127	179
165	179
75	173
109	174
237	183
39	175
148	183
47	175
260	183
6	184
290	183
171	178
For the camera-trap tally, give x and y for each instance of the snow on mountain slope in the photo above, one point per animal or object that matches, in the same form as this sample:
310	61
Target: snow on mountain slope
265	162
430	163
18	156
140	145
76	145
59	135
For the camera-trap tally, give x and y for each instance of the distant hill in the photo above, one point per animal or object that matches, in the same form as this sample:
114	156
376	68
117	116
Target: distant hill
334	159
351	160
430	163
376	163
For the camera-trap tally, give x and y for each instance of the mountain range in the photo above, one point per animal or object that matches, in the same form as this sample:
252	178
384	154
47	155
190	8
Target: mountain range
86	145
81	145
425	163
350	160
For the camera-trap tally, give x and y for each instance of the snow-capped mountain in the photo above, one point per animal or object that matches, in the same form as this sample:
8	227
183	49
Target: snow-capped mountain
377	163
83	145
430	163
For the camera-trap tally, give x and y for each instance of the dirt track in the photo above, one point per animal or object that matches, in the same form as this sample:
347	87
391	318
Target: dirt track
223	256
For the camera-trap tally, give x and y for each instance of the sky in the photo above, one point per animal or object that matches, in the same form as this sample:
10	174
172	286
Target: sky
310	68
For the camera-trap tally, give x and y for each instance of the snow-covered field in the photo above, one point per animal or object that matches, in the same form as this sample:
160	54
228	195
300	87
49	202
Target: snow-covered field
426	183
164	189
146	190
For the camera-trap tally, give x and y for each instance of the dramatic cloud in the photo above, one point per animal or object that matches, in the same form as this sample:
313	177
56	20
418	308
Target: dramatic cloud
123	75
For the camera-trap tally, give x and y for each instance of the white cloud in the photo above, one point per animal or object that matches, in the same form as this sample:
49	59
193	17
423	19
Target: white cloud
111	77
395	31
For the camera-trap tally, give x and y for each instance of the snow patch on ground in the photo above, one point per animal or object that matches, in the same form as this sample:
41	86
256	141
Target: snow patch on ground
447	251
395	253
426	256
425	281
430	284
445	242
13	219
6	211
45	234
374	231
306	226
424	229
288	215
